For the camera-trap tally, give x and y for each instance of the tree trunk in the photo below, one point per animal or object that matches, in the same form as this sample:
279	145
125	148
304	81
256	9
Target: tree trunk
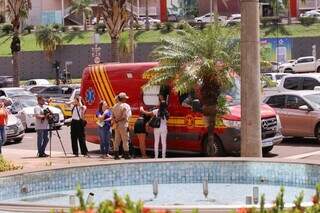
210	113
250	80
147	23
114	50
289	11
84	22
131	35
216	11
16	69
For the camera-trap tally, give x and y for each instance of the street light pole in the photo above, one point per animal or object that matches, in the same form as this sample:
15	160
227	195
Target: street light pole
250	80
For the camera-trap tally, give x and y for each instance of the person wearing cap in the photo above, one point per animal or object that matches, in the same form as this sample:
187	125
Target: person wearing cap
42	127
120	117
3	123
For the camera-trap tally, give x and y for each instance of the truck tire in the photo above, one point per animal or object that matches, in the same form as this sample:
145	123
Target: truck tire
214	149
317	132
18	140
288	71
318	70
266	150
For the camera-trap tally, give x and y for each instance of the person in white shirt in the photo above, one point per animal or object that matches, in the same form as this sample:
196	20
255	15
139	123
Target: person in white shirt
162	131
42	127
77	127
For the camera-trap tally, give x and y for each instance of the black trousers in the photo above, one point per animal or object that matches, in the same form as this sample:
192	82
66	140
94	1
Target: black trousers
78	134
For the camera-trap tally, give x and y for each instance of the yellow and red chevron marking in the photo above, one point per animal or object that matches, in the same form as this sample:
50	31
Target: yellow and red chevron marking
102	84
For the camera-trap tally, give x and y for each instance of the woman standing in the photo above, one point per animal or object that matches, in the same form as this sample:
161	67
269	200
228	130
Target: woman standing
162	131
3	123
141	132
77	127
104	123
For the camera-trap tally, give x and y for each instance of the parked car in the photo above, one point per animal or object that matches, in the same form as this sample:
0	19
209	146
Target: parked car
33	82
61	103
299	82
303	64
206	18
23	108
234	19
152	21
275	77
311	14
36	89
13	91
14	130
61	91
299	112
6	81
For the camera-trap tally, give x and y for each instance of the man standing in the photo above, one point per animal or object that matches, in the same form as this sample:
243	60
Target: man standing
121	113
41	127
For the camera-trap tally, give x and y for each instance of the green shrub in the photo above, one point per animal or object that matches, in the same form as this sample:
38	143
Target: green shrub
272	20
100	28
137	26
57	27
168	27
28	28
7	28
64	29
75	29
181	25
7	166
157	26
307	21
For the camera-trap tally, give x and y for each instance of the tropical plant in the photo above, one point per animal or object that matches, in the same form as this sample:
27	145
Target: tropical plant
18	11
82	7
28	28
115	15
7	165
100	28
202	61
49	39
7	28
167	27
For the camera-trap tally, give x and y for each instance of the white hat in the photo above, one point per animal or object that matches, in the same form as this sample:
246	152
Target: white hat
123	95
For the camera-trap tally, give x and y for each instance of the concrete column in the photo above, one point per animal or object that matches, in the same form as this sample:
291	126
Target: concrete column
250	80
62	11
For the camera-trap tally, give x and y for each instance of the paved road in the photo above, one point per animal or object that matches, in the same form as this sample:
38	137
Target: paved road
289	149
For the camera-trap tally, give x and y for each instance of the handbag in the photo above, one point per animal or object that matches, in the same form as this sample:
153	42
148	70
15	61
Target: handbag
155	122
83	122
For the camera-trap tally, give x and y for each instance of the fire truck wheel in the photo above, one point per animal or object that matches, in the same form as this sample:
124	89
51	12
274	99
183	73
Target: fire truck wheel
213	149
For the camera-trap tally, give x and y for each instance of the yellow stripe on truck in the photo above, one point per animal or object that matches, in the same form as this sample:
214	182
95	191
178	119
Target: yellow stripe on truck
99	82
106	85
95	82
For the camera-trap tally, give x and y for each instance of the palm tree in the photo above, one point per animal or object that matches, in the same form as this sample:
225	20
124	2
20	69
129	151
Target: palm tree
115	16
82	7
18	11
279	4
49	39
200	61
147	23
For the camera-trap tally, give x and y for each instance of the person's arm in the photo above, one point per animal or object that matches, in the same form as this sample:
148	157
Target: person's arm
38	114
6	116
146	112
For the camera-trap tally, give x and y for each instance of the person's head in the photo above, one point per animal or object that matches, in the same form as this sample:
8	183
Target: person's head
40	100
161	98
77	100
103	106
122	97
1	103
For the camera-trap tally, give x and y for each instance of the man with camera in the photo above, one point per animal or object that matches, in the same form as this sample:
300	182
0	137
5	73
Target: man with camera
42	126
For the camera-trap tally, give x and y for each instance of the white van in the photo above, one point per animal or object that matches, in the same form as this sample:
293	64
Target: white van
299	82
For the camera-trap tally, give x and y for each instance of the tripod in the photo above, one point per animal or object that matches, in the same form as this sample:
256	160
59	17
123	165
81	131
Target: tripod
51	129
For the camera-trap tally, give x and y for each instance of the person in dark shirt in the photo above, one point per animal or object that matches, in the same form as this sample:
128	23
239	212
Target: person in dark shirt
141	132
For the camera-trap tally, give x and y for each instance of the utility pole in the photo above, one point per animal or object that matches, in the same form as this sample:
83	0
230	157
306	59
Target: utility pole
147	23
250	80
210	11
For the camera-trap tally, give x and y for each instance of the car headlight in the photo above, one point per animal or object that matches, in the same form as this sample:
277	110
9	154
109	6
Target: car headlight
279	127
232	124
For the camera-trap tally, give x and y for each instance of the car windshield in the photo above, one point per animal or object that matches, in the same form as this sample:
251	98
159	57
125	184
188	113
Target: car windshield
278	77
314	99
26	101
14	92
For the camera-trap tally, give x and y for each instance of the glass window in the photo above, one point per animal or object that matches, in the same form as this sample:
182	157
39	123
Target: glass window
276	101
292	83
309	83
150	95
53	90
305	60
294	102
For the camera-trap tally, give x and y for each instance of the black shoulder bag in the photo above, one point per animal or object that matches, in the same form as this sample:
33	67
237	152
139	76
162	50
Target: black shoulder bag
155	121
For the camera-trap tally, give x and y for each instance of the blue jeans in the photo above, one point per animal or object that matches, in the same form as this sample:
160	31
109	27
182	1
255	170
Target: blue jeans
3	136
42	140
104	133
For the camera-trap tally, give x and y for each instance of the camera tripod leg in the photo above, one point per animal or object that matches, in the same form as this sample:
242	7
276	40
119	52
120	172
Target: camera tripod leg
59	137
50	138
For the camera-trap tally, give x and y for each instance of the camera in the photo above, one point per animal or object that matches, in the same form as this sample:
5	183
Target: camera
52	119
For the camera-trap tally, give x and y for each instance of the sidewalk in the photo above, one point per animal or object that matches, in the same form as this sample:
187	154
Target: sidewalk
28	160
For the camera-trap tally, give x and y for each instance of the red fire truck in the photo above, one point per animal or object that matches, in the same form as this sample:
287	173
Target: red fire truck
186	128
